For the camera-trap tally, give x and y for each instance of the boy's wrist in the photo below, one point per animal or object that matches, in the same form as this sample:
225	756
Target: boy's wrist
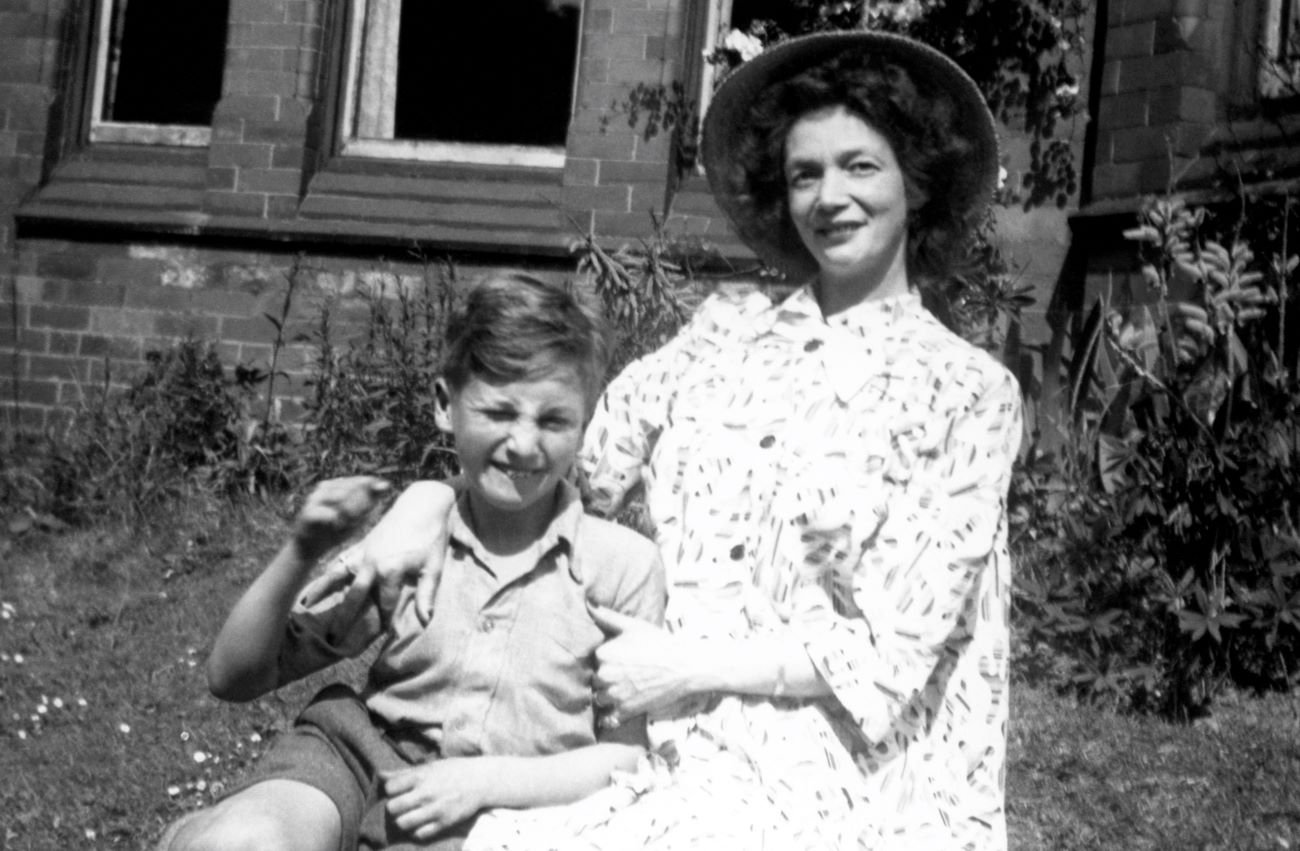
303	553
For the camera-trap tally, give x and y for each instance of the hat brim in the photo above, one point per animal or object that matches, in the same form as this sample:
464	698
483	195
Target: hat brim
932	71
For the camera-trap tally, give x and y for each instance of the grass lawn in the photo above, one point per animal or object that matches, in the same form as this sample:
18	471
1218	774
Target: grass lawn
107	731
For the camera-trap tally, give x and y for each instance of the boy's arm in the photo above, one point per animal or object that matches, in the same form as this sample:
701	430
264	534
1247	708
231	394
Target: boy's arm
245	657
431	797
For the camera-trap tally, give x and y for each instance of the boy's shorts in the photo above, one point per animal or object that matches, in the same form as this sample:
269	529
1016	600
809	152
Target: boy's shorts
336	746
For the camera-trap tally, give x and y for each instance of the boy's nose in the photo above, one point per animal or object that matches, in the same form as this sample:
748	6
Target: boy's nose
523	440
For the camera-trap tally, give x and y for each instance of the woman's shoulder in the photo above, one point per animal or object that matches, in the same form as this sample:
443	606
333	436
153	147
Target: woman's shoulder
959	359
730	310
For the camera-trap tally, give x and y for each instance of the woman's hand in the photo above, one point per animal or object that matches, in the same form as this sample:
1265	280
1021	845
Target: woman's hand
641	668
429	798
409	542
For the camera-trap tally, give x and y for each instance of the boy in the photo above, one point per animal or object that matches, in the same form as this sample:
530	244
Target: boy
487	702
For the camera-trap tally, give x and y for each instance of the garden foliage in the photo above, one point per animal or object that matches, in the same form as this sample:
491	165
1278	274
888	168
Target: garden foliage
370	407
1162	556
186	423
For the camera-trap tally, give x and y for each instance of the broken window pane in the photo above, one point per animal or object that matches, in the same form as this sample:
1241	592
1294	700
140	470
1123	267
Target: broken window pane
161	61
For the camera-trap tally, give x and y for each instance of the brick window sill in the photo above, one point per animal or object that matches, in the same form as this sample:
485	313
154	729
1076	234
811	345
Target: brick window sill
131	190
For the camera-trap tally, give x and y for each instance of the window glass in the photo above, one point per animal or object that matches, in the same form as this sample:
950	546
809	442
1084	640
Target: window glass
158	65
1279	74
482	81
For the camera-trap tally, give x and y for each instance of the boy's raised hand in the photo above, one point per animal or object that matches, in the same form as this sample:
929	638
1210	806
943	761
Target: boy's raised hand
334	510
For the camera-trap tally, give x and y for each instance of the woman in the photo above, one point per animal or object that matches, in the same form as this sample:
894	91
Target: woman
827	481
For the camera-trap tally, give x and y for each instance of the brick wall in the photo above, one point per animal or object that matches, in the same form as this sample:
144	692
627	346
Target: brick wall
108	251
1163	85
89	312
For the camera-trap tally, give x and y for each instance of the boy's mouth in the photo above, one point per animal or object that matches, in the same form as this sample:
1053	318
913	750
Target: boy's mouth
516	474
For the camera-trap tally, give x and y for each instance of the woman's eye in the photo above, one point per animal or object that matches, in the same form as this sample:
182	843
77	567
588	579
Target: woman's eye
860	167
801	179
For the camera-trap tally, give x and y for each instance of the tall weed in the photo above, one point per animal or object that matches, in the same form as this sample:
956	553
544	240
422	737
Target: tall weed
371	403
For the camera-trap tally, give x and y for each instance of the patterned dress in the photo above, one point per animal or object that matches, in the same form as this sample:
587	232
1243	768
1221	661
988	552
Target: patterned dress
843	482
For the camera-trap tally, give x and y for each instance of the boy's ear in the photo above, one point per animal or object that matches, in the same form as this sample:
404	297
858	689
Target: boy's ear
442	405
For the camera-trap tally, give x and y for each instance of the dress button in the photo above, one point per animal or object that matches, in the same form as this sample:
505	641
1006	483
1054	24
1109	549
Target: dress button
767	441
812	345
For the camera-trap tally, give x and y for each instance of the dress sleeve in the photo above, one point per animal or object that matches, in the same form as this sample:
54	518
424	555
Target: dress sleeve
636	405
929	526
334	618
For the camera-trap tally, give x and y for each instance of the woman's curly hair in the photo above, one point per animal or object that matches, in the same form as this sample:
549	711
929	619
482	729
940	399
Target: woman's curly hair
919	127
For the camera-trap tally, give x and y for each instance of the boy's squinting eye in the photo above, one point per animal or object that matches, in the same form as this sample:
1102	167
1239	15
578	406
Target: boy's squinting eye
499	415
557	423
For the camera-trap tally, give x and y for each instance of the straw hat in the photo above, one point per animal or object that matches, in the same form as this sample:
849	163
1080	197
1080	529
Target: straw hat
934	74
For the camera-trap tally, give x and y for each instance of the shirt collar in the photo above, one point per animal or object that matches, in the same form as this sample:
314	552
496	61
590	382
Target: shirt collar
562	531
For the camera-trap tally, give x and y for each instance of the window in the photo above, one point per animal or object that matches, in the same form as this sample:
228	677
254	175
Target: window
487	81
1279	74
157	70
737	30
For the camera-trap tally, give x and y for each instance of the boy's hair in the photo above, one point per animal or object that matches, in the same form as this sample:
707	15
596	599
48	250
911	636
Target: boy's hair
514	327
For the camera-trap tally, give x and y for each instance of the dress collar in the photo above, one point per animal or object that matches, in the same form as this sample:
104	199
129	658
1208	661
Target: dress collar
863	318
848	345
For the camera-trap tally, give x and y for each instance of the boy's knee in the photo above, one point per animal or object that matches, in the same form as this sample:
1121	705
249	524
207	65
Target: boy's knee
225	831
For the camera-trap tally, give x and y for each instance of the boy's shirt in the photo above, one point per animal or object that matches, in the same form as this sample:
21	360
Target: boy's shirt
504	665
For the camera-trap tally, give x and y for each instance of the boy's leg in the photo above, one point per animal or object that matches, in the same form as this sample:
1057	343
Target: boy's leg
308	792
272	815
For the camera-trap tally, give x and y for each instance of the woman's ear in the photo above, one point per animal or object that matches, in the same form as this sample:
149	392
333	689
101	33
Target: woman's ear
916	196
442	405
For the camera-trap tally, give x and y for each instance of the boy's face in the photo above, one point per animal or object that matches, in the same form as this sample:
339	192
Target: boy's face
516	442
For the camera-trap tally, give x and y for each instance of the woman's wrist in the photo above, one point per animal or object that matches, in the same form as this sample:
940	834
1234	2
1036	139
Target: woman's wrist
765	666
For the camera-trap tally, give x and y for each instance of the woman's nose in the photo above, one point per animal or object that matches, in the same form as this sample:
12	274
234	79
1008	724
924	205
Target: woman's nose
832	190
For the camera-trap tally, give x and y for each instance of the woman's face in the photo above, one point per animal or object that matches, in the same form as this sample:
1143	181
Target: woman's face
848	201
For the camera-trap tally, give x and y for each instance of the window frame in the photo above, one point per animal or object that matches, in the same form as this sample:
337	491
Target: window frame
428	150
1279	74
715	12
105	131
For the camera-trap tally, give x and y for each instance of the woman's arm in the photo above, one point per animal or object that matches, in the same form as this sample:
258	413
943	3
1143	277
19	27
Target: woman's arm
642	668
244	663
427	798
933	571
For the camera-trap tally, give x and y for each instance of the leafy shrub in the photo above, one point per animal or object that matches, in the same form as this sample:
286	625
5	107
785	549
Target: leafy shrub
1167	561
183	424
